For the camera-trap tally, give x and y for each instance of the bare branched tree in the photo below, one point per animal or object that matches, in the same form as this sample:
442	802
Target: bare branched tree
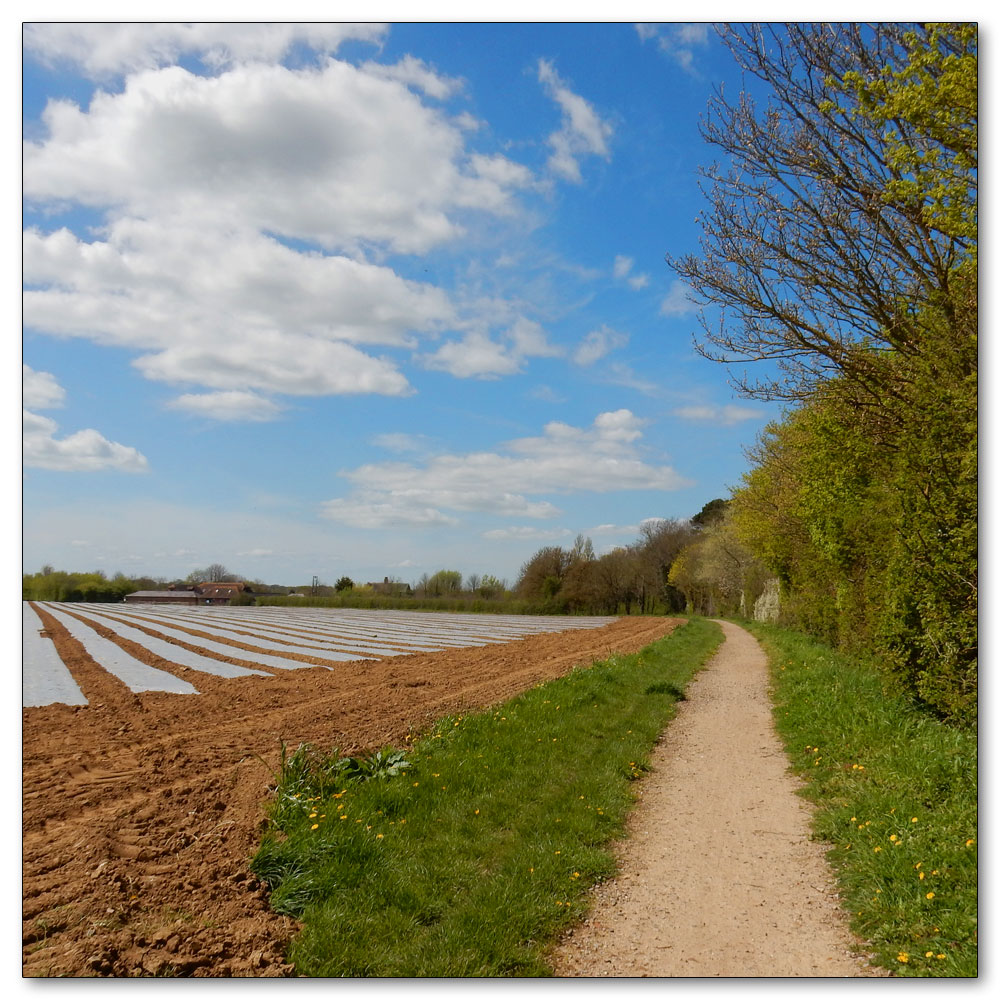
818	248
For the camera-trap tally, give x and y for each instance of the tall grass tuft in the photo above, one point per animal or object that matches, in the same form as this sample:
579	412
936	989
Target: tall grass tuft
896	790
477	853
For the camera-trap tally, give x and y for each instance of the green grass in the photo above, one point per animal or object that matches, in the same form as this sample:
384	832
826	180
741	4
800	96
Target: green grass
473	859
896	791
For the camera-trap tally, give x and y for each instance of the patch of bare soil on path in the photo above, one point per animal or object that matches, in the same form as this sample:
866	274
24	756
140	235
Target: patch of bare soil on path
718	876
141	811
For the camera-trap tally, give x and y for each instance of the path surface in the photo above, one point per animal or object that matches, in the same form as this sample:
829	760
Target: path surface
718	876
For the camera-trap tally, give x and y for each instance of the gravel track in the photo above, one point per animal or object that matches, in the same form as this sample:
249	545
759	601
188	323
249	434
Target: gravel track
718	875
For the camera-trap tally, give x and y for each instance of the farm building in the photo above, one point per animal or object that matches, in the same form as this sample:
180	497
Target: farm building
162	597
202	593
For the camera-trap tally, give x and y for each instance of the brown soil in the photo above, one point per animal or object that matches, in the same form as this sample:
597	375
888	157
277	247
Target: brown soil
140	812
719	876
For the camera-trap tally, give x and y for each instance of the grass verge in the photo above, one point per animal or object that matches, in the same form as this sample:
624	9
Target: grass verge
475	855
896	791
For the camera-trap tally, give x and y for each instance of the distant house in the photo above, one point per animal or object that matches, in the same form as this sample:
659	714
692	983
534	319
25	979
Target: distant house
201	593
221	593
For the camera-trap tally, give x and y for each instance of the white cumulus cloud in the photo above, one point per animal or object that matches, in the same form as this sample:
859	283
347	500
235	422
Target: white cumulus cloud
246	214
478	355
84	451
107	47
603	458
40	390
245	407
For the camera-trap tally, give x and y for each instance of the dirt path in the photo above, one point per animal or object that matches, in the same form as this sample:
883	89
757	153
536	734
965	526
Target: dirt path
718	876
141	811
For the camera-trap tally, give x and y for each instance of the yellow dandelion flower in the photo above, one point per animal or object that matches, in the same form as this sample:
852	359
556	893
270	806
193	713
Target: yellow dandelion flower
902	957
415	783
930	895
928	954
939	956
315	826
969	843
922	875
877	849
893	838
913	819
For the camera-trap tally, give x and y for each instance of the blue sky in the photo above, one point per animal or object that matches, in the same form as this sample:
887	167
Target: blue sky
373	300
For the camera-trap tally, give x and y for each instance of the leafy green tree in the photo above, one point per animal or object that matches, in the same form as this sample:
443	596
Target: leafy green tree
490	586
444	581
841	242
541	577
712	513
344	583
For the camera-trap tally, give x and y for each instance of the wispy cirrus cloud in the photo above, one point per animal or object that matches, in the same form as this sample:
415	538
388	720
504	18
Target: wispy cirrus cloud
622	271
678	301
597	344
582	132
524	533
723	415
679	42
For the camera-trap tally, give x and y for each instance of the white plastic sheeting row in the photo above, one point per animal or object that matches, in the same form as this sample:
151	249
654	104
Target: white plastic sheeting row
332	635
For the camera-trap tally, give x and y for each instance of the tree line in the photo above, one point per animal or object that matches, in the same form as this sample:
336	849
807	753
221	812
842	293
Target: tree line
840	248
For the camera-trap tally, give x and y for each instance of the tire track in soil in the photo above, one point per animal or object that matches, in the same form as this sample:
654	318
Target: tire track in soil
140	812
718	876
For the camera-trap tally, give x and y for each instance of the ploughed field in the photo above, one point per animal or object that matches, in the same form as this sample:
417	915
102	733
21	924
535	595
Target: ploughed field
151	735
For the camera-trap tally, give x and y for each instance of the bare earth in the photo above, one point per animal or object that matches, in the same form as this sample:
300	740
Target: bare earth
718	876
140	812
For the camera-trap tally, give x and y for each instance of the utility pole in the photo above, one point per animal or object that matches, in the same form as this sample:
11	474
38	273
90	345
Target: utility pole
315	585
